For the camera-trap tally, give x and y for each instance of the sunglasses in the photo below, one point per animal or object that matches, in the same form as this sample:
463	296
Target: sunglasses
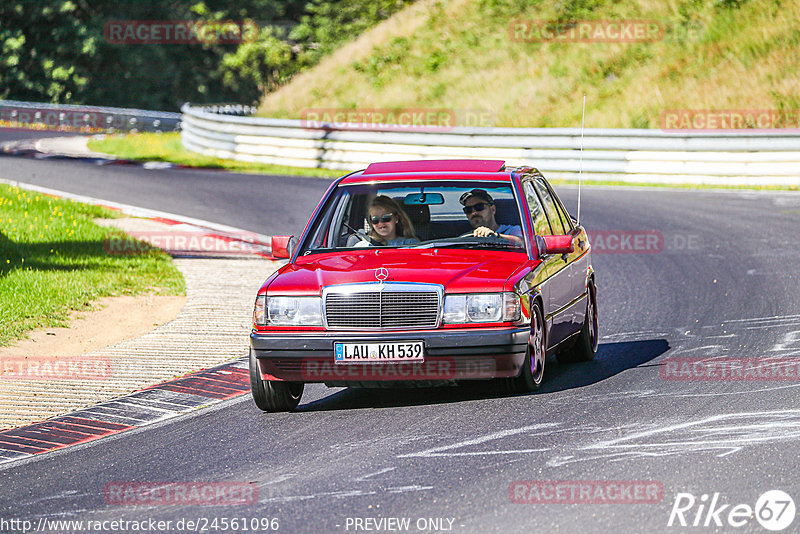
385	218
480	206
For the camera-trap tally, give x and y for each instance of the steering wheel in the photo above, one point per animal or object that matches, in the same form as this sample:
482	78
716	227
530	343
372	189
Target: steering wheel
361	237
356	239
470	234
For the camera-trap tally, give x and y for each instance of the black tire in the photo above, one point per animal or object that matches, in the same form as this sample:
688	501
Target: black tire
532	374
271	395
585	347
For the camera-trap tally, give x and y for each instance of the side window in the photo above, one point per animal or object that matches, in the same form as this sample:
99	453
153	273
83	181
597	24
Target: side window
322	234
538	218
565	220
549	207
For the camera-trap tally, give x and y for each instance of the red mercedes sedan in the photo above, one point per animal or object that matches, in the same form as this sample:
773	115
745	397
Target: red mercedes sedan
425	273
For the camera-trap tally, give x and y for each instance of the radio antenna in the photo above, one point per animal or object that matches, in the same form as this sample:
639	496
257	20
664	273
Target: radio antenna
580	165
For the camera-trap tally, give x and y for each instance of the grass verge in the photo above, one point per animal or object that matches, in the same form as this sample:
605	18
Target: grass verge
168	147
52	261
469	58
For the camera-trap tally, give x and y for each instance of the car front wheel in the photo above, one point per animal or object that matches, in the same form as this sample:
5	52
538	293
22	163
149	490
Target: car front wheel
273	395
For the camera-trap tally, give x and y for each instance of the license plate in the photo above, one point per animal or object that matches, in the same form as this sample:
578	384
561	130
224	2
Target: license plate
398	351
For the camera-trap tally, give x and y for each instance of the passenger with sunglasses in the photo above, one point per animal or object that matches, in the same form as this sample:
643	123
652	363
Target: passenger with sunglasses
389	224
480	210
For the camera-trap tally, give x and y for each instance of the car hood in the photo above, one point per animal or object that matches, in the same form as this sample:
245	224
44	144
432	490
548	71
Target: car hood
458	270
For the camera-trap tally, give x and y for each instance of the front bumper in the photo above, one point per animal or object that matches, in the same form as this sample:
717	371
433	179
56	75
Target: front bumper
449	355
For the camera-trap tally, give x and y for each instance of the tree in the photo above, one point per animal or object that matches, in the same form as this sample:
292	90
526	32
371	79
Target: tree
56	50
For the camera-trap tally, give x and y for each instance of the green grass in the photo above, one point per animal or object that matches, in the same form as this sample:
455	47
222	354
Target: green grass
52	261
168	147
460	56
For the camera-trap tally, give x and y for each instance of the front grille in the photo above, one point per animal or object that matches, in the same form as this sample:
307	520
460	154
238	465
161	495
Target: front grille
382	309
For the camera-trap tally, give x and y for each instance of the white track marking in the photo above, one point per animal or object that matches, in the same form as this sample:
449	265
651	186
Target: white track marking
724	433
790	341
772	318
784	325
281	478
441	451
382	471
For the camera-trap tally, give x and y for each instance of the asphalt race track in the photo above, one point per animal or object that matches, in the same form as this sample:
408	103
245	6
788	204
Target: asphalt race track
24	134
722	284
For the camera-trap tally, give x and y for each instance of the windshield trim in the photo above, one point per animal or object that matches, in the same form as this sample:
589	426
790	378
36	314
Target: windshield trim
488	183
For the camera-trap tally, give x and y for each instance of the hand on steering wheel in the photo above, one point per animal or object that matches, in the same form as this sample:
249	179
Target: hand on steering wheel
482	231
362	236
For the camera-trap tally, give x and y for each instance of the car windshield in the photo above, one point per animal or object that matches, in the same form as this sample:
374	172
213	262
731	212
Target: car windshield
417	215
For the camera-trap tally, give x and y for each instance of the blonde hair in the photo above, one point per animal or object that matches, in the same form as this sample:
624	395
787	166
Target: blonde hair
404	228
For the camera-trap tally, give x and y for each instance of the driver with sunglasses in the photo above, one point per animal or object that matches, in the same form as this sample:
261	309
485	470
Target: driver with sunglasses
480	210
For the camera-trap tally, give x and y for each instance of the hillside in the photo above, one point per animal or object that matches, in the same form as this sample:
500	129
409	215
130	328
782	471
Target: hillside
460	55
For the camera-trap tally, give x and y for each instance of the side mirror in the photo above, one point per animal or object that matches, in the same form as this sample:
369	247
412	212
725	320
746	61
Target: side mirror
558	244
283	246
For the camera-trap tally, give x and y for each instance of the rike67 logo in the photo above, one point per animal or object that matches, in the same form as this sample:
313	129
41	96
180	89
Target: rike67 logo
774	510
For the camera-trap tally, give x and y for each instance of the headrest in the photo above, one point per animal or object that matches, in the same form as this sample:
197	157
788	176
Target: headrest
506	212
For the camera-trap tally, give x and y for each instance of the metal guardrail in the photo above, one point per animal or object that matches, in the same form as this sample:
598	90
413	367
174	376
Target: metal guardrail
633	155
85	118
